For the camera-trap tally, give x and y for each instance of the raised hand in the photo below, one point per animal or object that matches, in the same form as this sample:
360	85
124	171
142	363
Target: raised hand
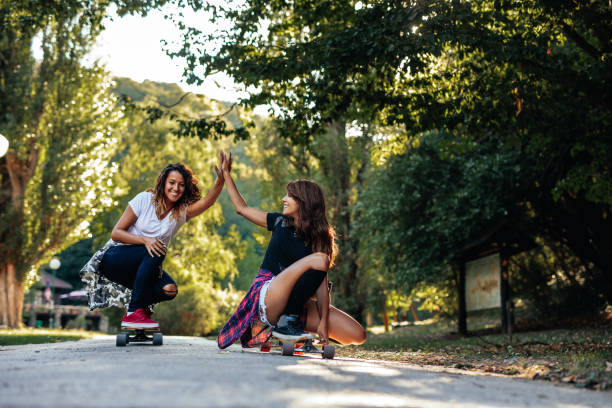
219	169
227	162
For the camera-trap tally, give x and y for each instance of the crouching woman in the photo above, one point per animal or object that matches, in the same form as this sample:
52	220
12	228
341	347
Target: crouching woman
281	299
132	258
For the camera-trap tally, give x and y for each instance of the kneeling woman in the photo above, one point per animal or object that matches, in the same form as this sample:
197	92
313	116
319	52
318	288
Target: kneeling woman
134	255
294	269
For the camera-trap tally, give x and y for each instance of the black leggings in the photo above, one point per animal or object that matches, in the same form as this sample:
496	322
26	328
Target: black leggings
305	287
133	267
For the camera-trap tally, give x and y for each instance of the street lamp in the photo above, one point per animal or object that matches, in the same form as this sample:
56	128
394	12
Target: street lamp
54	264
4	145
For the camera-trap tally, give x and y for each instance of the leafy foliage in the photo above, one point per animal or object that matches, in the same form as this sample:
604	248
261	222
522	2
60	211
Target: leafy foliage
58	117
515	93
72	185
552	282
422	206
160	101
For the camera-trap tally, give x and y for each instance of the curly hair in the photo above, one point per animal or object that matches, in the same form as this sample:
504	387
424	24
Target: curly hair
190	195
312	225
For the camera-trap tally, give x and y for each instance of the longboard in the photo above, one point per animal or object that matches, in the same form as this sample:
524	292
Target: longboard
300	346
139	335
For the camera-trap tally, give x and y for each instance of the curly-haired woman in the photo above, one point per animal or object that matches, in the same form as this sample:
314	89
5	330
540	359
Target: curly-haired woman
134	255
294	270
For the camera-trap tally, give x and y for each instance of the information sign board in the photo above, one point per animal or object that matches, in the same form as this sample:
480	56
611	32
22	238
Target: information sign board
482	283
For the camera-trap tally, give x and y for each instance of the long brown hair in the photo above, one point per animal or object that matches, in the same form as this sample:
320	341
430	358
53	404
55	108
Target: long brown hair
312	225
190	195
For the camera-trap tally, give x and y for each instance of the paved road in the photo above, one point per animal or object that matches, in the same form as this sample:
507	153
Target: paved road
192	372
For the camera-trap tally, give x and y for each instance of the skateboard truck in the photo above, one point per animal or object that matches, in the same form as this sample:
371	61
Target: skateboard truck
288	349
139	336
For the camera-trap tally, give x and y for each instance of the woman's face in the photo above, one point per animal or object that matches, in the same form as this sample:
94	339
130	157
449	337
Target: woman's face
290	206
175	186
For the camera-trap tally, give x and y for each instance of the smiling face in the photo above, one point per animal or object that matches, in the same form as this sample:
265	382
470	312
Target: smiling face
174	188
290	206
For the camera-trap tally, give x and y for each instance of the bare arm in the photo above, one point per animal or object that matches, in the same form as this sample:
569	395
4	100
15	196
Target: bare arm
254	215
120	234
322	294
203	204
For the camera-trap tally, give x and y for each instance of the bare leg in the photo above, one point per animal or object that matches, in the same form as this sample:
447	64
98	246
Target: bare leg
342	327
170	289
281	286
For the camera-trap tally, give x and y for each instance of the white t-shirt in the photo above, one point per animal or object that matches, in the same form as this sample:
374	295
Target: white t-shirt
148	224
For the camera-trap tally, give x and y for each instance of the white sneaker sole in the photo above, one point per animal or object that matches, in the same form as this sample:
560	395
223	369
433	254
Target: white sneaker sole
140	325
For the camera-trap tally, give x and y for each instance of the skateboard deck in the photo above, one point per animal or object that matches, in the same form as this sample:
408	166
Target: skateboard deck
299	347
139	335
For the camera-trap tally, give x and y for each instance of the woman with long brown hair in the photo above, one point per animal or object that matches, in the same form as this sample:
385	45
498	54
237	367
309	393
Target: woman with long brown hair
300	252
132	258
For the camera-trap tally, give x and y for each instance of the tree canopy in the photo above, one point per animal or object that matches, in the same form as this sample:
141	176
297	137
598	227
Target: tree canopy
431	126
528	79
479	117
59	117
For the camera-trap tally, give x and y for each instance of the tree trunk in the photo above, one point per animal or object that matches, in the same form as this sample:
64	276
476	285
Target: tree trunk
3	298
414	312
338	167
20	171
15	297
11	297
385	320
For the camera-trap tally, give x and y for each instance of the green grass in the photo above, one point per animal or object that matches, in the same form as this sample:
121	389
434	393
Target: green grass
573	355
12	337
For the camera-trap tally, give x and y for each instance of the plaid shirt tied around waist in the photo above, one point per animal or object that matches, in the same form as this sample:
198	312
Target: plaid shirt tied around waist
239	324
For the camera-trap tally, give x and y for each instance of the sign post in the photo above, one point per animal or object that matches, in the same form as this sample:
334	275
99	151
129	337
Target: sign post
504	296
460	270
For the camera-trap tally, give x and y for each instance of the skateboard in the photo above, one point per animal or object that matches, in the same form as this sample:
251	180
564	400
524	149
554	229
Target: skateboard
300	346
139	335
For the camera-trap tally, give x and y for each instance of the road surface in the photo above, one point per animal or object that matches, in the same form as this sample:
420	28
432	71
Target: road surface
193	372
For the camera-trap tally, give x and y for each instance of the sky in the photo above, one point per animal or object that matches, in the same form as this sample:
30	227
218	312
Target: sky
131	47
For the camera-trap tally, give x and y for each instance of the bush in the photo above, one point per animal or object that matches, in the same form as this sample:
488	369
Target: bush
114	315
77	323
552	283
197	310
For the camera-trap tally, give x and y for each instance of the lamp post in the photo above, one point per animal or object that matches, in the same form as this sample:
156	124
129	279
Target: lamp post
54	264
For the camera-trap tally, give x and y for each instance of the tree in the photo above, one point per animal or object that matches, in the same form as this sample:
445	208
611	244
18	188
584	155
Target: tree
422	207
59	118
528	78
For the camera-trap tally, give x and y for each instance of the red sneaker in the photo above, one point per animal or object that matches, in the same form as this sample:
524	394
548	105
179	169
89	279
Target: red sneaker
139	319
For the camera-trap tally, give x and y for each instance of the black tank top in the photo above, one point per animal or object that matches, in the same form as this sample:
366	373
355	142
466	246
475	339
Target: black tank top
285	246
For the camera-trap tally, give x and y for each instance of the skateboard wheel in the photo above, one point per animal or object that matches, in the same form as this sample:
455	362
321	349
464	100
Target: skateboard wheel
329	352
158	339
287	349
122	339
